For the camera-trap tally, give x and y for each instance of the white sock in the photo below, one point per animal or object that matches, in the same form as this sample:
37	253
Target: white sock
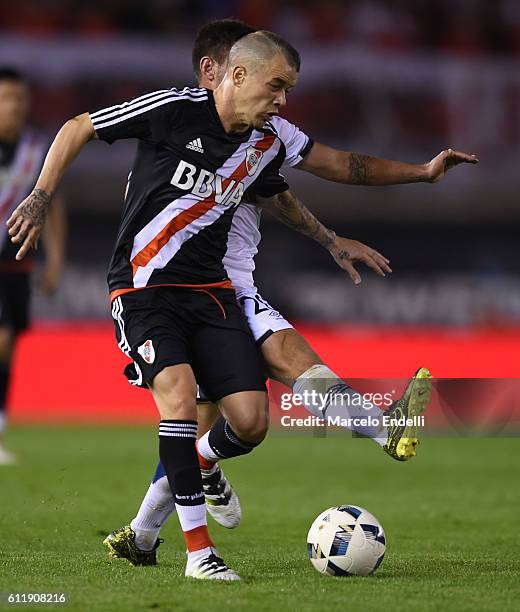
200	554
191	517
205	449
155	509
323	392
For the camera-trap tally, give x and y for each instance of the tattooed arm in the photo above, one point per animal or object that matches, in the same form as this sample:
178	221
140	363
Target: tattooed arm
289	210
28	219
358	169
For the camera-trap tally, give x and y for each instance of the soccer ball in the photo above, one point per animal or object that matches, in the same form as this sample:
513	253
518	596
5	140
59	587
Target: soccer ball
346	541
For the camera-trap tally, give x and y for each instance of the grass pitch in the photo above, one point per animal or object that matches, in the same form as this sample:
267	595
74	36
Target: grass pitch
451	519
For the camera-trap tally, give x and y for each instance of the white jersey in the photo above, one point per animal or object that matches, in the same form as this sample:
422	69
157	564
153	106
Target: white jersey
244	235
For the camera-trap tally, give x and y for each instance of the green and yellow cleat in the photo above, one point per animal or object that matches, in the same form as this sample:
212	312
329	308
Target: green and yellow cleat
402	438
121	545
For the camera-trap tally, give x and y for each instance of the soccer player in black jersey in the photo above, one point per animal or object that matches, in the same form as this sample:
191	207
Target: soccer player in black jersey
286	353
21	155
175	313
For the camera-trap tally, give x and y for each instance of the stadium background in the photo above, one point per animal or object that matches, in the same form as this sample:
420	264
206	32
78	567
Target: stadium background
399	79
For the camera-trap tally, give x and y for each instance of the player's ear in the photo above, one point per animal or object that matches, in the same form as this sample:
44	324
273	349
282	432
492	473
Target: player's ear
239	75
207	67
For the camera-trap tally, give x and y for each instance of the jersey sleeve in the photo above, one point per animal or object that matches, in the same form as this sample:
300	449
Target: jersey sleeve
297	144
266	186
148	117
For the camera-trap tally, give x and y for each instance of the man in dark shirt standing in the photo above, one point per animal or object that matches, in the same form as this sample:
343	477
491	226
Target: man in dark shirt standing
21	155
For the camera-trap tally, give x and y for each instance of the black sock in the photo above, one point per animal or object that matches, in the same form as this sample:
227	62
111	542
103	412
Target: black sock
179	459
225	443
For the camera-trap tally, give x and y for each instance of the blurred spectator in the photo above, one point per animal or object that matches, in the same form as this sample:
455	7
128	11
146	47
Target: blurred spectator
381	25
461	27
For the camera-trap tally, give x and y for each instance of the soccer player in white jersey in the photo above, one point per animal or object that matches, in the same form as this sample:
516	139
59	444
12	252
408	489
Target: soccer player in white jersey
288	356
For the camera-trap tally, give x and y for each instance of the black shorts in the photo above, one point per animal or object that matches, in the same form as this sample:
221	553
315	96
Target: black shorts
165	326
15	298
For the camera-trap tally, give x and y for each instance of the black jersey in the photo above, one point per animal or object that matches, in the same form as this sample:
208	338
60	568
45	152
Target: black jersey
188	178
20	164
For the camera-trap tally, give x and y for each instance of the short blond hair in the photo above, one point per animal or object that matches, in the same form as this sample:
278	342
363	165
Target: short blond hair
260	47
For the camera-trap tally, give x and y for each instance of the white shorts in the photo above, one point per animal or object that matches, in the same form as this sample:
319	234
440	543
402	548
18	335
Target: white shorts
262	318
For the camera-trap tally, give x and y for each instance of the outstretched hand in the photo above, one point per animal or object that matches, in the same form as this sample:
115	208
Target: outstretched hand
348	252
447	159
26	223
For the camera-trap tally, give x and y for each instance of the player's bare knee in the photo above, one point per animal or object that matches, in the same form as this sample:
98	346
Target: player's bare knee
178	407
253	433
174	392
252	426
